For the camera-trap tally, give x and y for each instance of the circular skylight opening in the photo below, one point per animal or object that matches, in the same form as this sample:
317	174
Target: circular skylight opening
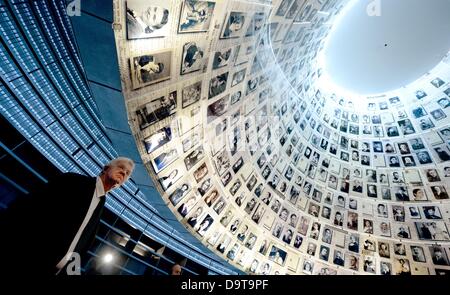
379	46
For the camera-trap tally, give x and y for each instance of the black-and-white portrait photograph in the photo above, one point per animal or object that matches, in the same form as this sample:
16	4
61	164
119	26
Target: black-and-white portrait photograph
211	197
414	212
222	58
437	82
195	217
352	262
205	186
168	179
200	172
196	16
250	243
432	212
193	58
433	231
418	254
226	178
287	235
158	139
194	157
218	108
217	85
438	255
308	267
438	114
238	77
420	94
157	110
233	26
256	24
151	68
205	225
439	192
186	207
191	94
398	213
219	206
222	162
444	102
277	255
324	253
252	84
179	194
164	159
147	19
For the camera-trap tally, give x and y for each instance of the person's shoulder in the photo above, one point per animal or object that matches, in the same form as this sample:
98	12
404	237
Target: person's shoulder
75	175
70	177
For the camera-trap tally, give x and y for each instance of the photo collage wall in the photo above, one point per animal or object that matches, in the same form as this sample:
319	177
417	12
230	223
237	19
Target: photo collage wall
266	167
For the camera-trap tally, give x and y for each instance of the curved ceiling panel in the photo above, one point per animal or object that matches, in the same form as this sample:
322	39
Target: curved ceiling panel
266	161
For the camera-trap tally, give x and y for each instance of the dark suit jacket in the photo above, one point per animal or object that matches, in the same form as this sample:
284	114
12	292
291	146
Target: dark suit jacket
37	230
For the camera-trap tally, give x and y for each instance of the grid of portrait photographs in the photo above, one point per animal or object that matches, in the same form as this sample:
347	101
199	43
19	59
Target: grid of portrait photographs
271	171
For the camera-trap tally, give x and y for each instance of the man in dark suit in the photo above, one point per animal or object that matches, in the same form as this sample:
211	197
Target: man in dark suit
439	258
46	232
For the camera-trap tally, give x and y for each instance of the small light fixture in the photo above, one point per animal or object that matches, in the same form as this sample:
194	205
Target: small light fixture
108	258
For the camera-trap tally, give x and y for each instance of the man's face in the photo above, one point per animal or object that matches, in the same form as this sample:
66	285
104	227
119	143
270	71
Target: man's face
419	194
293	219
153	16
119	173
237	25
176	270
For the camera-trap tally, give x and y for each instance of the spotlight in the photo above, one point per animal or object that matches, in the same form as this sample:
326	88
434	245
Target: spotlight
108	258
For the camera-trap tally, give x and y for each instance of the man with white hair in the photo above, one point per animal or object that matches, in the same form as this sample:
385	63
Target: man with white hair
50	230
